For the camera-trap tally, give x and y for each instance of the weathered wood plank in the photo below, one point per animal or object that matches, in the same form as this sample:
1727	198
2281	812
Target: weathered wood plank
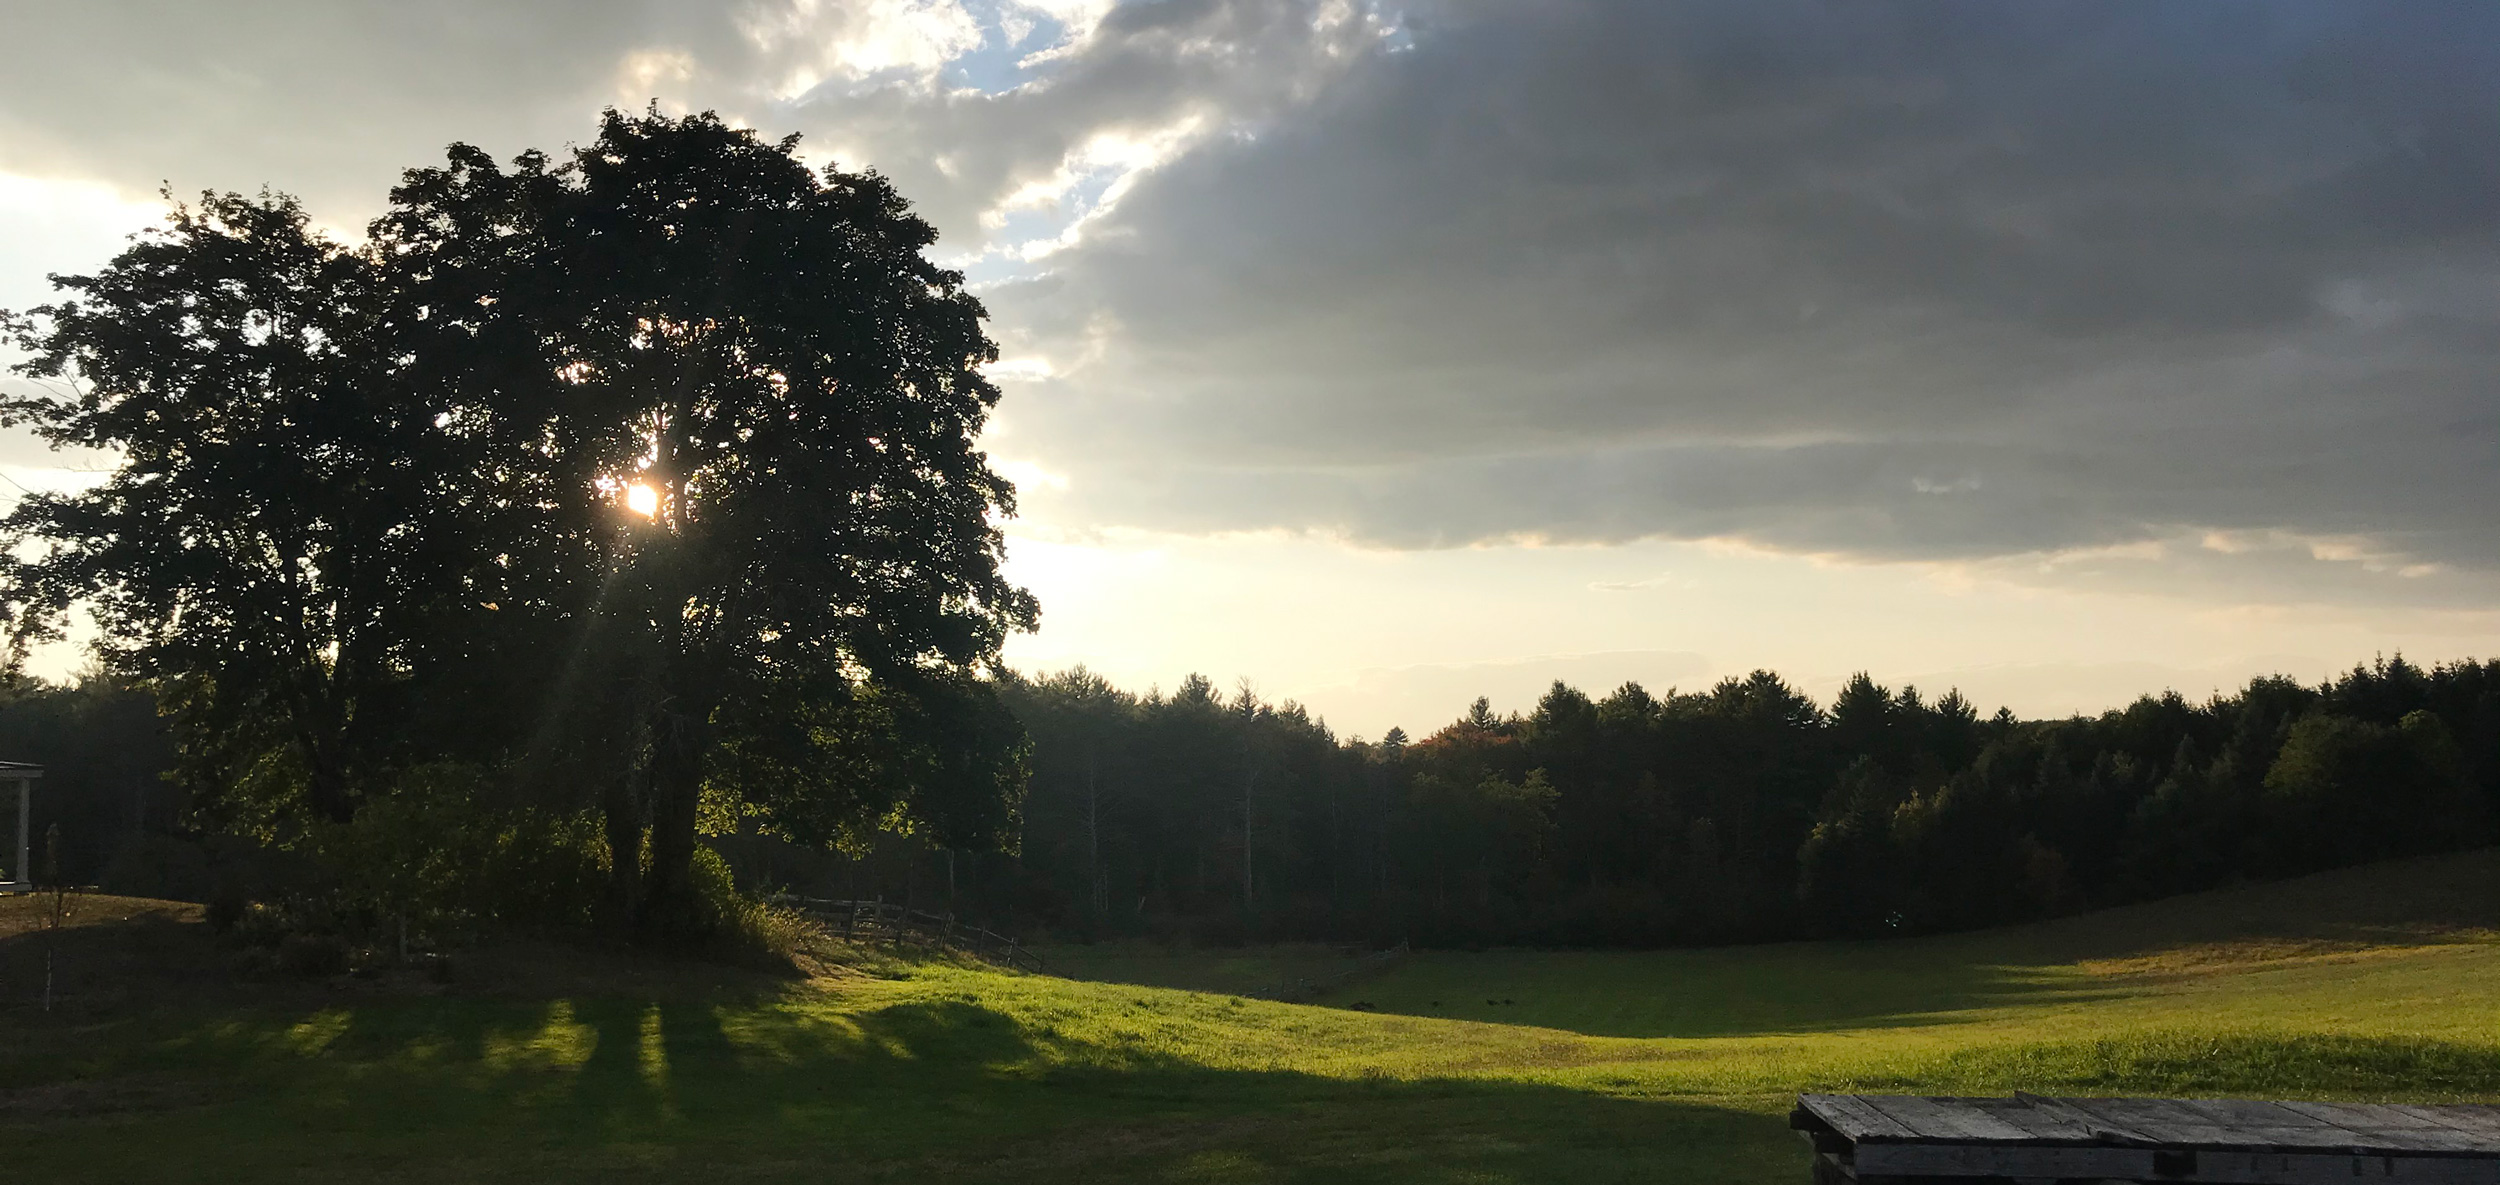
2253	1120
2391	1131
2475	1119
1851	1116
2391	1128
2398	1115
2358	1116
2151	1121
2045	1124
2258	1124
2070	1114
2210	1141
2270	1126
1947	1119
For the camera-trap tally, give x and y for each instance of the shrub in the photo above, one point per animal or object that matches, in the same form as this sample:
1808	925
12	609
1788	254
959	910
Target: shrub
442	851
225	909
739	926
312	955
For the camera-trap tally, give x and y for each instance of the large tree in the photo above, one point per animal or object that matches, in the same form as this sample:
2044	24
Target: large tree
266	553
651	471
733	399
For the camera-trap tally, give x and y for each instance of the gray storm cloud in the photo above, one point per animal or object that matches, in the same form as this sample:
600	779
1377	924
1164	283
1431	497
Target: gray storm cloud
2207	291
1896	281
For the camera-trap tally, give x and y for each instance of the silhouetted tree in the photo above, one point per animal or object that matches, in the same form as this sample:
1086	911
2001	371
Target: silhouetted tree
267	551
685	313
651	470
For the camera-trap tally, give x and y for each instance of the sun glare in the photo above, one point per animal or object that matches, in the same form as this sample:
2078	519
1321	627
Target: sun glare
642	499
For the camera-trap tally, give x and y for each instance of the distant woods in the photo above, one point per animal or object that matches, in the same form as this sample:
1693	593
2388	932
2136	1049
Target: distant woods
1744	811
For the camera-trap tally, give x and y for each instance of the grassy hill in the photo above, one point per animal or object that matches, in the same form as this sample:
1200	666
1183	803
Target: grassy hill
548	1064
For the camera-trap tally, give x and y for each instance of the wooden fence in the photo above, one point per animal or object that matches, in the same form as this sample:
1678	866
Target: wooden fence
1296	990
882	920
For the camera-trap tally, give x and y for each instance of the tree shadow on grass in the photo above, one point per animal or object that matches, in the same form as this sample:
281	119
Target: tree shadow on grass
944	1089
948	1088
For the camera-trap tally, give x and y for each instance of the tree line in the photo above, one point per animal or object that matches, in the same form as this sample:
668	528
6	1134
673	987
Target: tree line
1745	811
1742	812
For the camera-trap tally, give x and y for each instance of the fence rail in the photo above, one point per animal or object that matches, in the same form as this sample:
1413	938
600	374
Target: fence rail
1299	989
879	919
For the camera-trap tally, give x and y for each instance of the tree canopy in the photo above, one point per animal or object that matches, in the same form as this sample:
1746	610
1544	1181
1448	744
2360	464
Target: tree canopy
645	479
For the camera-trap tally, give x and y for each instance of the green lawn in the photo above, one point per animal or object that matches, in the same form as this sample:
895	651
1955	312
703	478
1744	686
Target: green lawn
1583	1067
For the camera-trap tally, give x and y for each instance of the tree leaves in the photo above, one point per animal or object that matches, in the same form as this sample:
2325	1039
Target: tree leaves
369	512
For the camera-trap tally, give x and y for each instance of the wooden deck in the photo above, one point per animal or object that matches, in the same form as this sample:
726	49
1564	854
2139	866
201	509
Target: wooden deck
1902	1139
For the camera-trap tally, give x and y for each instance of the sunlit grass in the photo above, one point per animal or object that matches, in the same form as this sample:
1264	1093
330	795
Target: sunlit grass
1499	1066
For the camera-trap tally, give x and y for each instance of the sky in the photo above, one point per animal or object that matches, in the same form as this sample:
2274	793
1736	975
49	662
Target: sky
1381	355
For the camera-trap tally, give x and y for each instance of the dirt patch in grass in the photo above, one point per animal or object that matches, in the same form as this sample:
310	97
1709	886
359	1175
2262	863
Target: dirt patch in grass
23	912
110	954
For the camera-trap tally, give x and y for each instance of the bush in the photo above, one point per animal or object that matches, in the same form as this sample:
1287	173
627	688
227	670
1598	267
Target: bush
225	910
442	852
738	926
312	955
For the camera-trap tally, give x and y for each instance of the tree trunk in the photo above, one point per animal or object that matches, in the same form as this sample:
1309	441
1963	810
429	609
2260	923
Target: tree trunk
668	905
621	806
326	780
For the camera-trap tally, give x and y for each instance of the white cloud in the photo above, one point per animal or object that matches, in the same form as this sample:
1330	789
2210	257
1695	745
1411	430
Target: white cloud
1028	475
65	226
815	40
1030	369
646	73
58	224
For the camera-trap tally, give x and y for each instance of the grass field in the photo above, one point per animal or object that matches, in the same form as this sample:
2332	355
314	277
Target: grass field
550	1065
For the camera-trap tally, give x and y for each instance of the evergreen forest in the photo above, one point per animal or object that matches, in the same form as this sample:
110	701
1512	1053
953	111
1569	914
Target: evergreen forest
1742	812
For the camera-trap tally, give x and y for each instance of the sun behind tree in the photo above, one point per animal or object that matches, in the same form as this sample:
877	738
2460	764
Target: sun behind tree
368	517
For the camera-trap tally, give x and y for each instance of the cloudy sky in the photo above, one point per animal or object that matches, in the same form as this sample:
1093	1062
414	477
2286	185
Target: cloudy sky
1384	354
